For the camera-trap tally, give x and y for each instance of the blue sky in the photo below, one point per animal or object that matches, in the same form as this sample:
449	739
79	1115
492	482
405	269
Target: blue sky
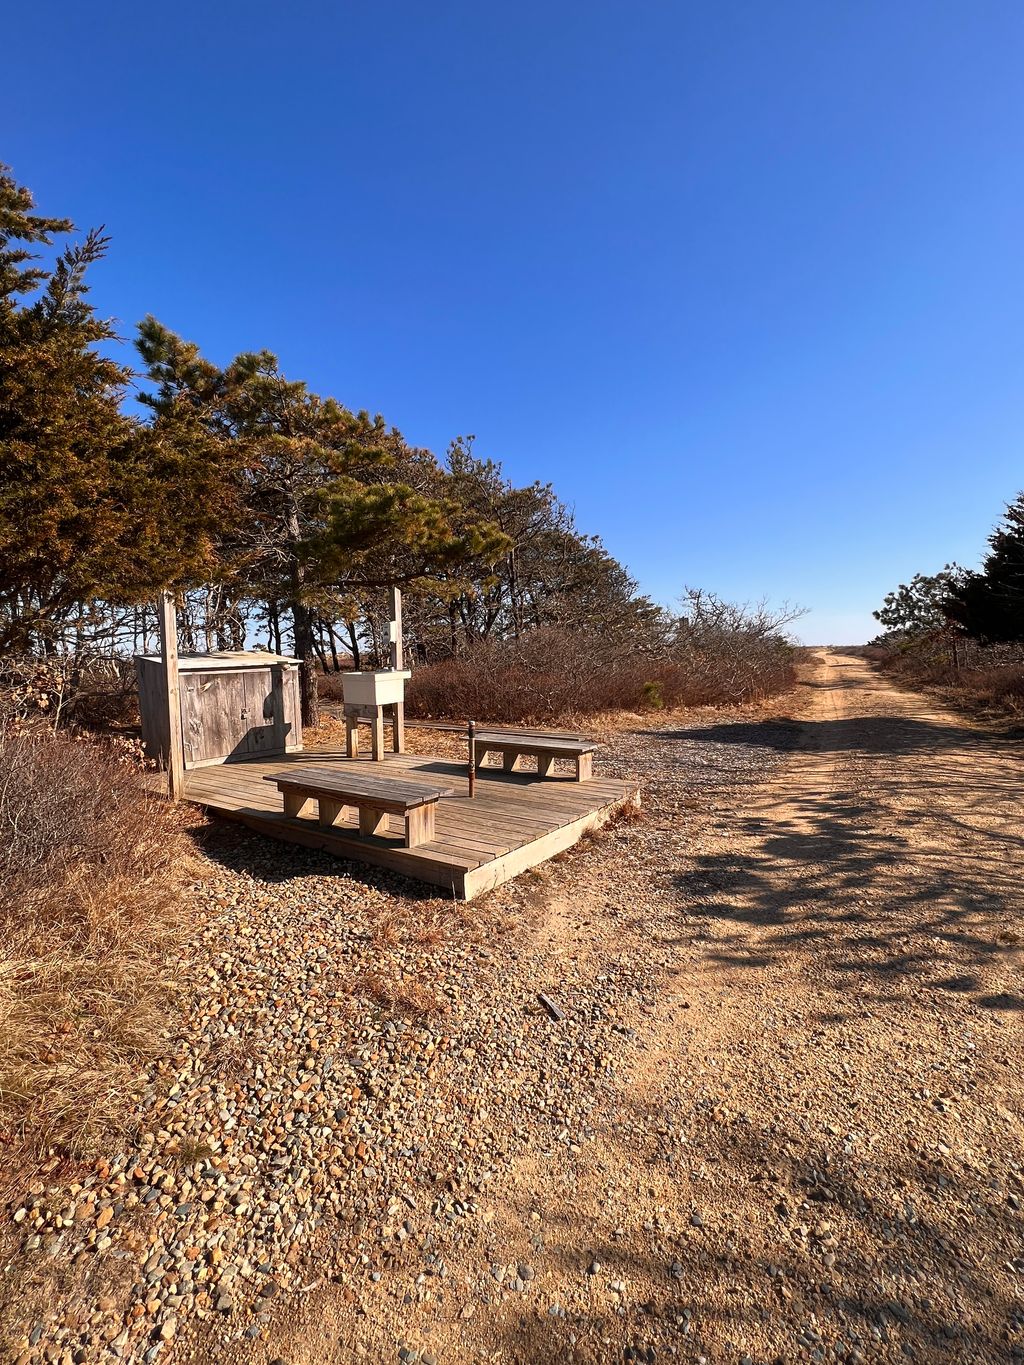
743	280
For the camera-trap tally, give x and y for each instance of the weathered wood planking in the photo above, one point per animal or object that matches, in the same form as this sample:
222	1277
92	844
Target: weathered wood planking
514	747
171	697
232	706
514	823
335	790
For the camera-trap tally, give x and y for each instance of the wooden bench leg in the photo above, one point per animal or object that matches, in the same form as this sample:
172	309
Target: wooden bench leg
419	825
545	765
372	821
511	758
584	767
351	735
294	804
328	811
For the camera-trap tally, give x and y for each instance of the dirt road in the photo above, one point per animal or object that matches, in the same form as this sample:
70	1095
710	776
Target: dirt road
814	1149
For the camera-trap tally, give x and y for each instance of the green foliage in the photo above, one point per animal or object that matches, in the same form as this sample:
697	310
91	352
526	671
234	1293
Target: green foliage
321	504
90	504
923	604
654	695
268	505
548	573
322	510
989	605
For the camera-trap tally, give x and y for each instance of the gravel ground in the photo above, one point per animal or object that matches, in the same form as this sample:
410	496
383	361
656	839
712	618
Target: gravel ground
357	1056
770	1112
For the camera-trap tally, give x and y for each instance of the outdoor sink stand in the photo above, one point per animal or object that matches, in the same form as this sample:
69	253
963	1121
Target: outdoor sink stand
367	695
355	712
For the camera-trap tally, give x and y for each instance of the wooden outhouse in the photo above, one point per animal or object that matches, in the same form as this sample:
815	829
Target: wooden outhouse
234	705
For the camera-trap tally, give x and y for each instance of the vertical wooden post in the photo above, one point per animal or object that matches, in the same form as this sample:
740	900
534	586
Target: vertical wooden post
395	642
472	759
168	615
396	653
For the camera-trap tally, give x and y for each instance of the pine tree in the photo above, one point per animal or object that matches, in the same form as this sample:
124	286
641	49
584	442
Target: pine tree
990	605
91	503
923	604
322	505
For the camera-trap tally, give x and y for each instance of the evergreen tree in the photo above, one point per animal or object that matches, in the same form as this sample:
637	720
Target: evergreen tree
990	605
551	573
91	504
323	507
922	605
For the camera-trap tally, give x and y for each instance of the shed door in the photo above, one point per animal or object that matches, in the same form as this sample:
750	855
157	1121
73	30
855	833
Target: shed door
213	716
264	705
232	714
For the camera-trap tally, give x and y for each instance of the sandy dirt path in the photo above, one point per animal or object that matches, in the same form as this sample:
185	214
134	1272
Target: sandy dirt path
809	1146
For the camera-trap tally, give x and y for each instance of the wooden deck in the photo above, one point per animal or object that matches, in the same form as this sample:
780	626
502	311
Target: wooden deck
514	822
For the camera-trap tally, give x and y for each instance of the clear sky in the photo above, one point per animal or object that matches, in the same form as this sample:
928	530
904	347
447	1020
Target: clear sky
743	280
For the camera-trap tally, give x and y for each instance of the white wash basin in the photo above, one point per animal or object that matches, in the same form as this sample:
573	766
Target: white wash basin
374	689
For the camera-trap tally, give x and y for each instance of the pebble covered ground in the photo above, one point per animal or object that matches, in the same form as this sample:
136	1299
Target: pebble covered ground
344	1062
627	1107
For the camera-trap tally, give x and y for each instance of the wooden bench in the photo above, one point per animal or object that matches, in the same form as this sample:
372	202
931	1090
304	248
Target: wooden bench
543	748
375	798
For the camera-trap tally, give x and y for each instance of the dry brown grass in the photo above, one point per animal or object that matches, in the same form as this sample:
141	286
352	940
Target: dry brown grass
401	995
90	911
982	678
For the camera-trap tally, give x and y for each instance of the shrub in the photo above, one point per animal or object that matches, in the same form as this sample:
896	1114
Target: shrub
552	674
653	695
90	691
90	909
972	674
329	686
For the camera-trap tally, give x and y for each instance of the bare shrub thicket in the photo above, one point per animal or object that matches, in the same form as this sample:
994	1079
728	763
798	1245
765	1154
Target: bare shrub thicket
967	673
90	908
715	653
86	689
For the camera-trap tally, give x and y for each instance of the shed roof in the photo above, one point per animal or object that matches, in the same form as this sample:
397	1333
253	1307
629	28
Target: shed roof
223	659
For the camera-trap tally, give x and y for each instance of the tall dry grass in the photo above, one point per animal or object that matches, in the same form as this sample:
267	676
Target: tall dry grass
91	907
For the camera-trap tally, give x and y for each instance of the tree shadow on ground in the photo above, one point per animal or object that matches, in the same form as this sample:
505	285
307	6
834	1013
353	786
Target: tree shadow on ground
898	875
893	735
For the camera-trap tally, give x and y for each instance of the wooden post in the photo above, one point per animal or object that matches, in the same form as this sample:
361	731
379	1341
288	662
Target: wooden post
472	759
396	653
396	646
168	614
